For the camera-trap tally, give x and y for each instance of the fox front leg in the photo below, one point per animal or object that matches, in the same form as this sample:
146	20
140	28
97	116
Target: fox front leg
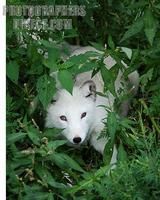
99	145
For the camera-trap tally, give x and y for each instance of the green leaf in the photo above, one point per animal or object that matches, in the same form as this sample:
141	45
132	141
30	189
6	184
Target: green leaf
150	25
36	196
83	58
12	176
111	43
50	196
53	145
13	71
46	89
36	68
135	56
66	80
135	28
127	51
137	4
127	123
34	192
9	103
85	62
66	65
88	183
52	133
47	177
64	161
53	56
84	184
47	43
34	135
70	33
24	162
122	155
145	78
33	106
98	46
109	79
88	66
112	125
14	137
108	151
157	6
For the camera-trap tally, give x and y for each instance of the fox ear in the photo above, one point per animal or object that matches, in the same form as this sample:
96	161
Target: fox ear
89	89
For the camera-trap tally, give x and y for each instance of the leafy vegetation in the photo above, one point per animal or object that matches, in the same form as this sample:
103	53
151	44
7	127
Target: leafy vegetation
41	167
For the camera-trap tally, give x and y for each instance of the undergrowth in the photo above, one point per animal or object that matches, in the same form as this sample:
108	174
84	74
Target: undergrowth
42	167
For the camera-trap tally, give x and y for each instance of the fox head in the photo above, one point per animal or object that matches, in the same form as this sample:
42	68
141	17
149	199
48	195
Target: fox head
74	114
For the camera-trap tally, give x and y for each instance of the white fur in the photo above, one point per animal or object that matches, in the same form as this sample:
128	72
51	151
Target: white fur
72	106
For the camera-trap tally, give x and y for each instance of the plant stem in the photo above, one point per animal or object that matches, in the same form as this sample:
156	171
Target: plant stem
151	118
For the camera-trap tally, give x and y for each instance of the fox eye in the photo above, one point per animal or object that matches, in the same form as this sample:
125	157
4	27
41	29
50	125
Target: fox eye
63	118
83	115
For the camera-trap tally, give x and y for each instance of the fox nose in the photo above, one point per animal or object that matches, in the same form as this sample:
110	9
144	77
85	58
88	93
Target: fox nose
77	140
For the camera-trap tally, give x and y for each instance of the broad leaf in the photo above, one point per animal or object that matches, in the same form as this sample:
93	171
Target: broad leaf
150	25
88	183
109	79
111	43
135	28
64	161
14	137
36	195
34	135
53	145
112	125
122	155
47	177
13	71
46	89
98	46
127	51
88	66
145	78
50	196
66	80
51	61
108	151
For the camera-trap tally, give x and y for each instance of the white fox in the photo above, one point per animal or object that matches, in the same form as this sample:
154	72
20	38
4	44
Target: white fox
81	115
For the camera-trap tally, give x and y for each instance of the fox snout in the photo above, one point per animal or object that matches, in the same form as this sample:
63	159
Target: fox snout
77	140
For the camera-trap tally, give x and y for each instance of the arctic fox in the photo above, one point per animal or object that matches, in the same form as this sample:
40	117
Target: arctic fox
81	115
